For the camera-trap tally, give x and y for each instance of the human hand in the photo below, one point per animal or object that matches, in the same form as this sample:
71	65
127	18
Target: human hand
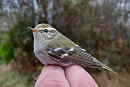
72	76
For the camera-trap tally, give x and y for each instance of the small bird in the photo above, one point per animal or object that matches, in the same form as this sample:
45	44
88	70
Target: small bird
52	47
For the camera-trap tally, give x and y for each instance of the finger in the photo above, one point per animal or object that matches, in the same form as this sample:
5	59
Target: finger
78	77
52	76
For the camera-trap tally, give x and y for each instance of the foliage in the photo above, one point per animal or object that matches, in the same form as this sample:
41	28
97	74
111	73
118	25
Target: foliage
6	50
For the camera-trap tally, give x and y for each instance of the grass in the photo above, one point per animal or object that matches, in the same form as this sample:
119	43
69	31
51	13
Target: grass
112	80
10	78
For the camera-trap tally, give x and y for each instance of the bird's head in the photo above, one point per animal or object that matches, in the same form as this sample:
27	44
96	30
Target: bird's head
43	32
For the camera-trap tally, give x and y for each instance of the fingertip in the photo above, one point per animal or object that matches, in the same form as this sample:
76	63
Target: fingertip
53	68
78	77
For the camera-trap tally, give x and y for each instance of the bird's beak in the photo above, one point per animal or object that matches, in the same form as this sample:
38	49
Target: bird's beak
32	29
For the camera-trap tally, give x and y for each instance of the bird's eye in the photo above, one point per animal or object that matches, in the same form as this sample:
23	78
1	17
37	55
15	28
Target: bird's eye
46	30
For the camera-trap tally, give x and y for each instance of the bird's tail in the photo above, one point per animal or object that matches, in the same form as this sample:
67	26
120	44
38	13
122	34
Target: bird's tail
108	68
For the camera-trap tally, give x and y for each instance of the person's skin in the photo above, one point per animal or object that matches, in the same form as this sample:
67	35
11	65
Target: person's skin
72	76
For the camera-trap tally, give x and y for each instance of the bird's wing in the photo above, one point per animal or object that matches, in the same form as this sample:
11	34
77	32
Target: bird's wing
75	55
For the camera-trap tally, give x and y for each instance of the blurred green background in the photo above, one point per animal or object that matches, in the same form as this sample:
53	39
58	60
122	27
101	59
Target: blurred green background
102	27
